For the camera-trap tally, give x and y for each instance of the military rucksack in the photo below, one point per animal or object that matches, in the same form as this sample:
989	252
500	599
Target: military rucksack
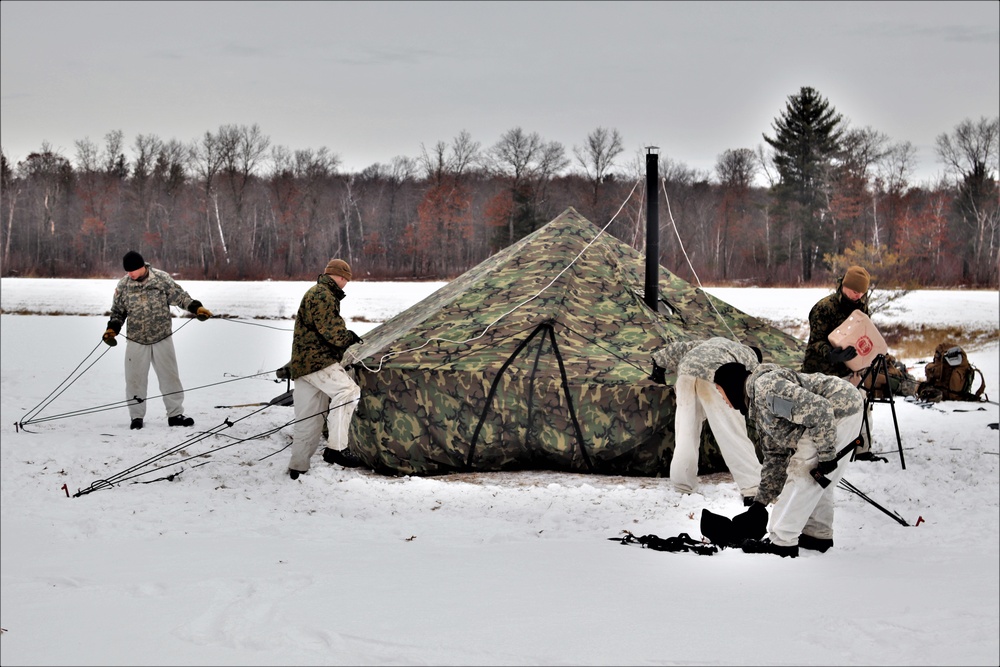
950	376
899	380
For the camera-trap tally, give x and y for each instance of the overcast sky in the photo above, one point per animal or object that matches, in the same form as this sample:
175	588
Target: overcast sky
375	80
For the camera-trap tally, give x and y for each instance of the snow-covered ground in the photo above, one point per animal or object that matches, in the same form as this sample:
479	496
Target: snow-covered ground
232	563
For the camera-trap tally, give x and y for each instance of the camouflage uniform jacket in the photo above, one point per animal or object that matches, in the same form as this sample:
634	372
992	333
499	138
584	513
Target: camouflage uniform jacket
321	334
828	314
701	359
146	305
785	406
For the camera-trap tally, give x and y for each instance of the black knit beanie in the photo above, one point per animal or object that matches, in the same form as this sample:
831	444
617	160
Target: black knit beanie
732	378
133	261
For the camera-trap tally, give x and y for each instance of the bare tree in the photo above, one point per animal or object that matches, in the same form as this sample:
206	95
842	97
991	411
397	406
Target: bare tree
11	190
114	154
736	170
88	156
93	188
145	148
970	154
850	202
527	163
435	163
892	173
208	160
765	158
597	156
862	148
464	153
972	145
49	176
241	150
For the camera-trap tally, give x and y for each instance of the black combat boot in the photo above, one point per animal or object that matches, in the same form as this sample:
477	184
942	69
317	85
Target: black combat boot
815	543
180	420
766	546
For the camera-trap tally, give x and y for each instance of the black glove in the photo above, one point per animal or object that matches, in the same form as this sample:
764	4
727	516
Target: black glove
109	337
839	356
717	529
751	525
283	373
659	374
355	338
826	467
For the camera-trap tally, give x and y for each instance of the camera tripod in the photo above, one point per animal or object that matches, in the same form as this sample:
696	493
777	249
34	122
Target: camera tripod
879	367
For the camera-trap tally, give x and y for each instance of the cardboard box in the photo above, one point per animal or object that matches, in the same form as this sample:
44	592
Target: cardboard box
858	330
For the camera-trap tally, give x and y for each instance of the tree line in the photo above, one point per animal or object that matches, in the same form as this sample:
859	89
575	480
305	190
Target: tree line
232	206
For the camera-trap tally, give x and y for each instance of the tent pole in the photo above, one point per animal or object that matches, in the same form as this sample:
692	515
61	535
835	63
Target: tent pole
652	228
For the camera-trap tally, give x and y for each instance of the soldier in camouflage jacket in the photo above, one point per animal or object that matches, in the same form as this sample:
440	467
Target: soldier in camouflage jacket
828	314
143	299
698	400
321	336
804	420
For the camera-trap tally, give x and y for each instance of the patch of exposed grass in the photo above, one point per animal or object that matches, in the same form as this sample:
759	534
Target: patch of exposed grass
919	342
26	311
913	342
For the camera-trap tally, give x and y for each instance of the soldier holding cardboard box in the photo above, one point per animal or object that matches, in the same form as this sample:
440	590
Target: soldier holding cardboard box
829	313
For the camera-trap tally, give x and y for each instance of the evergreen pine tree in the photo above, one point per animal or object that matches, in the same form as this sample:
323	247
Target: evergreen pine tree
807	137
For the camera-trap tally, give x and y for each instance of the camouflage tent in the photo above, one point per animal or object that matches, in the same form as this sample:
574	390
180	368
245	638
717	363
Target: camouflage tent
539	358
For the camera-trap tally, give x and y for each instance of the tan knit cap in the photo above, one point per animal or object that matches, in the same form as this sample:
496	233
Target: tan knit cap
338	267
856	279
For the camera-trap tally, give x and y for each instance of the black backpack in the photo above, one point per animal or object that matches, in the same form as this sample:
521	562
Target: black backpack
950	376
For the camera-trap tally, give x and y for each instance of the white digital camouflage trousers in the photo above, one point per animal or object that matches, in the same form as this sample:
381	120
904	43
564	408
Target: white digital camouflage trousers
329	388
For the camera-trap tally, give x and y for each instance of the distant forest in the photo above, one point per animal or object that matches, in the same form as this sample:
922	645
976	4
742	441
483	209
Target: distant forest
231	206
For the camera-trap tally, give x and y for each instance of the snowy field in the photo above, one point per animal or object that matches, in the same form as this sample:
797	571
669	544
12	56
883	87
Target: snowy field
229	562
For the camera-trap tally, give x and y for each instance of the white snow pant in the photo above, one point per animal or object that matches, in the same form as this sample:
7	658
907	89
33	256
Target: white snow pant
803	505
312	396
698	400
138	358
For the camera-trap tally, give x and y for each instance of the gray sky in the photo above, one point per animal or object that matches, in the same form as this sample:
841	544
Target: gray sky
375	80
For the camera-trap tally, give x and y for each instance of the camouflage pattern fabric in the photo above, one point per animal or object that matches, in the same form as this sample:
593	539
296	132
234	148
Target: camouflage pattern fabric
145	305
532	360
701	359
828	314
321	335
669	357
785	406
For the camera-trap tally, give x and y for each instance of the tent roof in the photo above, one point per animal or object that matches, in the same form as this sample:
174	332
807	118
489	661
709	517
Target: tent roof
588	286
